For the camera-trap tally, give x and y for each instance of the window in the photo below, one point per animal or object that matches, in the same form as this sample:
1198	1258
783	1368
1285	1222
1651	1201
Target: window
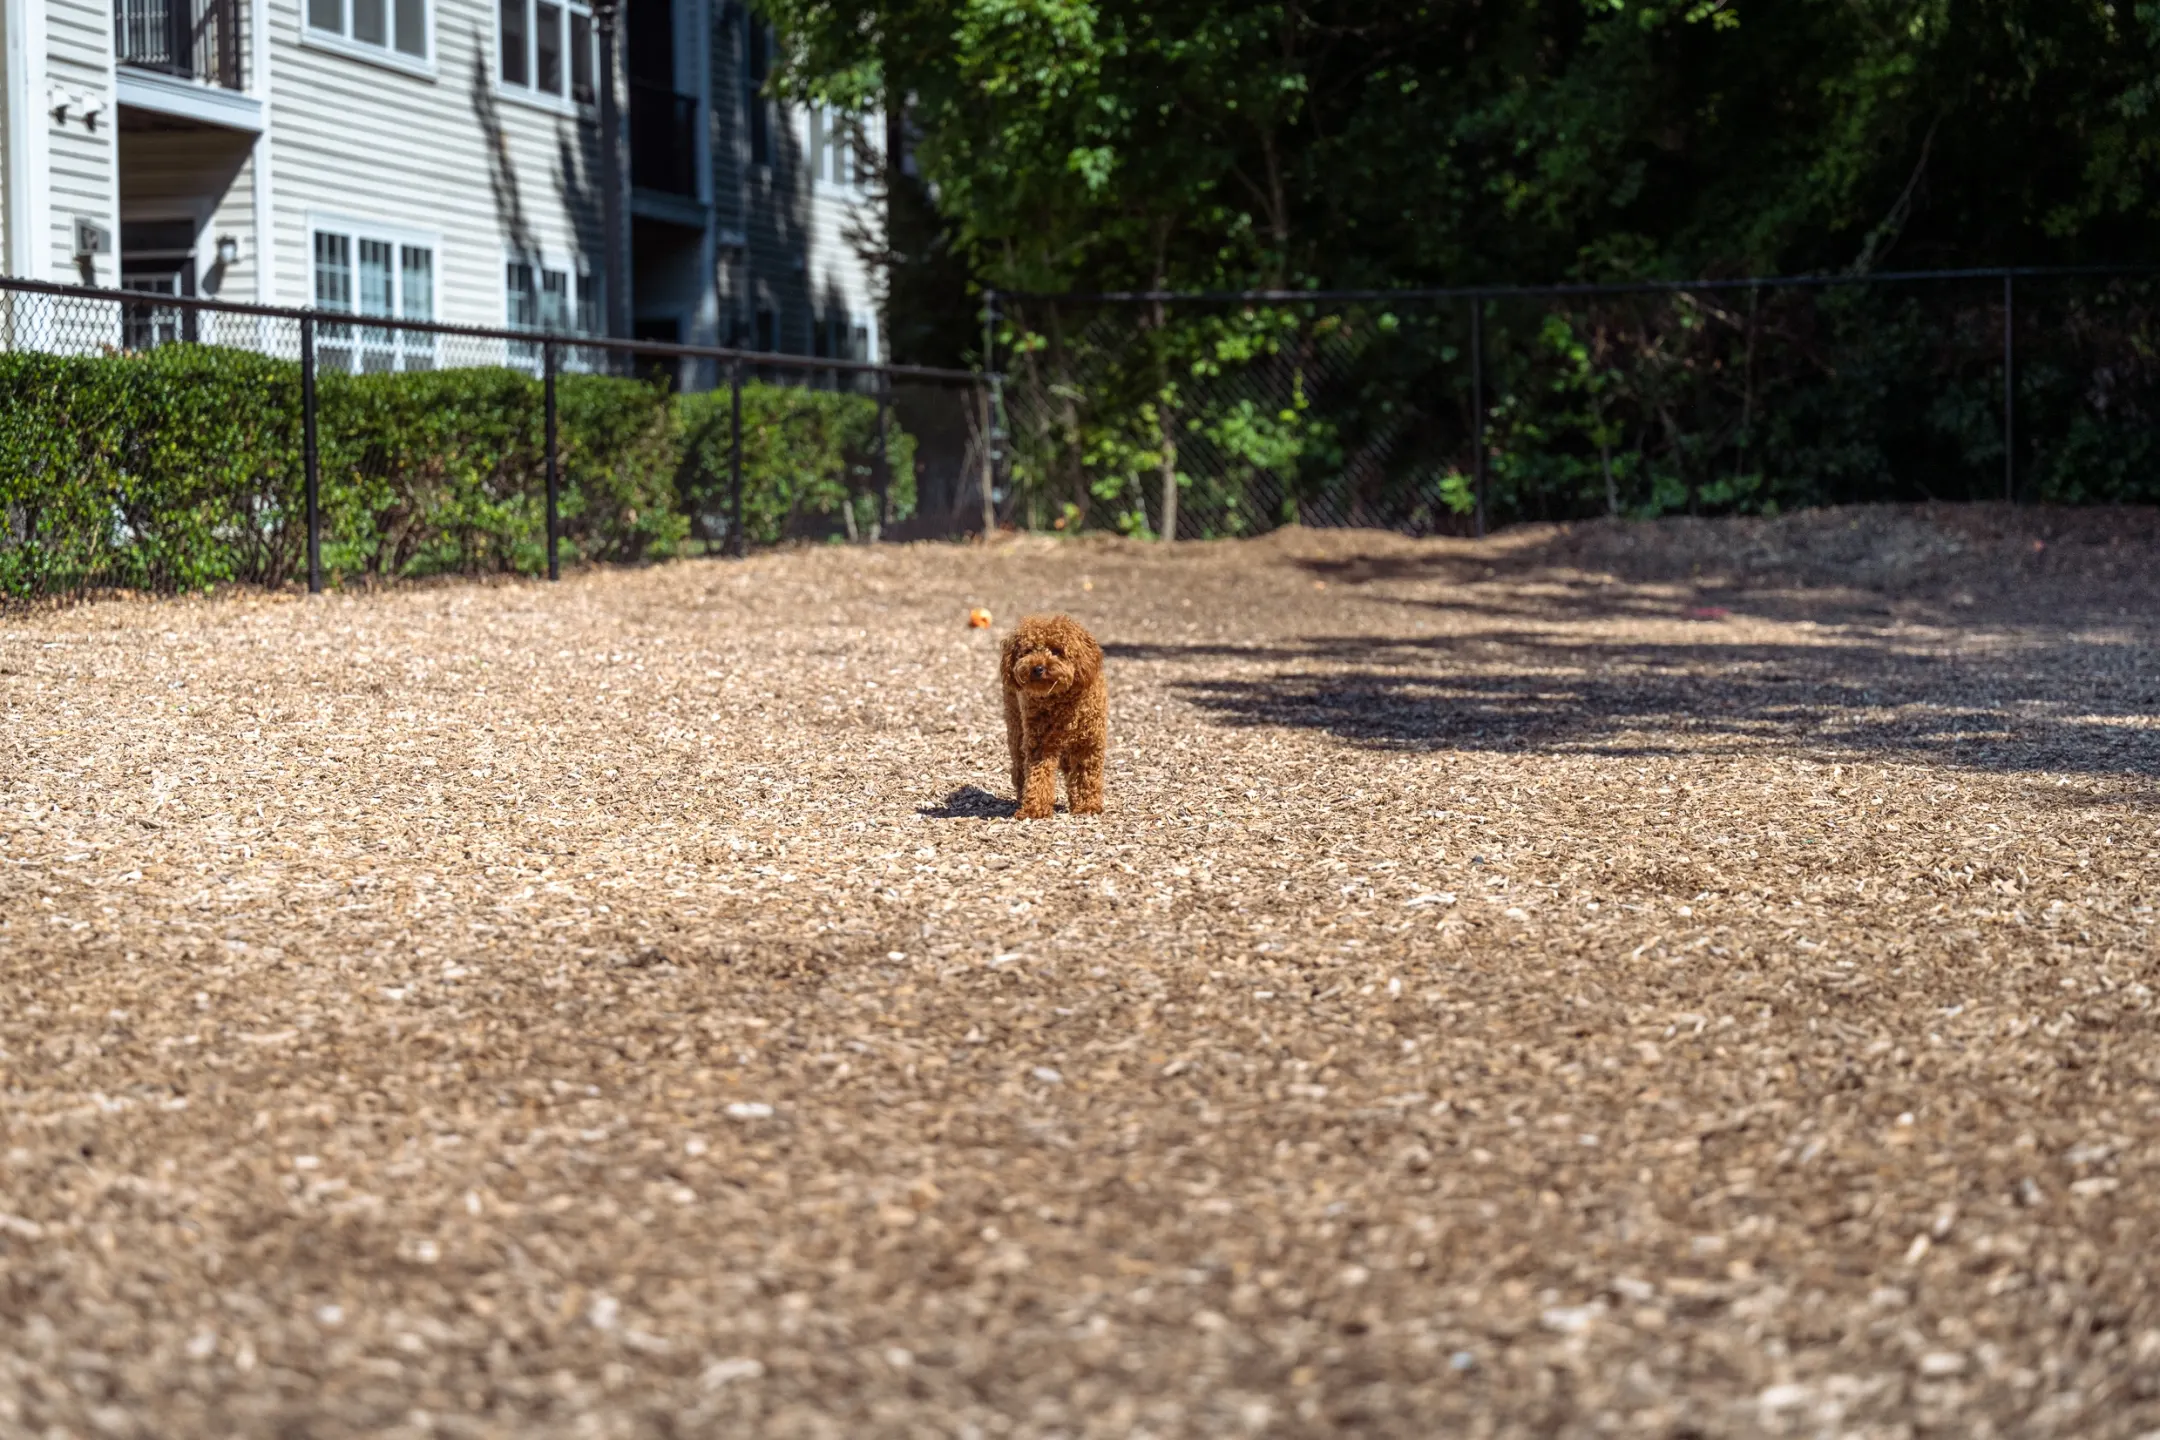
358	273
398	26
839	152
546	47
767	330
552	301
582	58
831	147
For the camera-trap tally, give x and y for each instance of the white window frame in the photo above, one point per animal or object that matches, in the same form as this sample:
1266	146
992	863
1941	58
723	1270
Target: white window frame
349	348
825	142
389	57
530	93
828	144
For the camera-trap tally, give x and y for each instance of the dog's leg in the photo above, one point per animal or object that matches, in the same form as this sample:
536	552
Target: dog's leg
1016	743
1038	797
1084	781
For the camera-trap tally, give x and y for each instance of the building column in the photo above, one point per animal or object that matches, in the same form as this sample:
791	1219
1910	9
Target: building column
27	179
262	198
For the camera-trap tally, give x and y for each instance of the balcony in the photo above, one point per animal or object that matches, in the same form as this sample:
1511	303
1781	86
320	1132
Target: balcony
184	64
197	40
663	140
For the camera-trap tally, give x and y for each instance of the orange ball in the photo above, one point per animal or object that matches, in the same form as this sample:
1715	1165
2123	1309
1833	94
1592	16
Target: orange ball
978	619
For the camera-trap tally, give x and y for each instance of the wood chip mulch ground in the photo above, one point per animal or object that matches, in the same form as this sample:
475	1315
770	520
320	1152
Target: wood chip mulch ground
1682	979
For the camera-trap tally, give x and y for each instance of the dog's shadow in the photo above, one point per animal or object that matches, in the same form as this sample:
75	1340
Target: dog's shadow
970	802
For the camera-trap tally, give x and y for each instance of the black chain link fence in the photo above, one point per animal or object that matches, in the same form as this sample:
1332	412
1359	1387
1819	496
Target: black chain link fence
1452	411
164	443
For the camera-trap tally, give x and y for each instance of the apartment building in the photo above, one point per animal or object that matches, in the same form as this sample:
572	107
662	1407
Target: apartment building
434	159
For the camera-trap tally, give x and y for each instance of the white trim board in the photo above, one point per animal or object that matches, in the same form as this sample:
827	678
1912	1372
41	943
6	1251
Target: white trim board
359	225
206	104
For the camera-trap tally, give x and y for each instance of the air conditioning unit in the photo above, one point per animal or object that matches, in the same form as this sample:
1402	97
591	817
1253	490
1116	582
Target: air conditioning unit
91	238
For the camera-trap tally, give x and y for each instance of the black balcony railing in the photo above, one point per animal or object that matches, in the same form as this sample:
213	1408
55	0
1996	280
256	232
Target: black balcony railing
663	139
193	39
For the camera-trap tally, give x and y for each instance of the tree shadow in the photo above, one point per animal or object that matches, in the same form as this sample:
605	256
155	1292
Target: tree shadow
2042	701
970	802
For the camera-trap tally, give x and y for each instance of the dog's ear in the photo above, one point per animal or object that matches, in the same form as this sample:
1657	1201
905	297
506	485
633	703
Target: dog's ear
1087	656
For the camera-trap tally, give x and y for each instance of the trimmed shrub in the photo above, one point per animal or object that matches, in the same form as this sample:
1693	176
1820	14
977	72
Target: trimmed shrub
171	470
181	468
809	456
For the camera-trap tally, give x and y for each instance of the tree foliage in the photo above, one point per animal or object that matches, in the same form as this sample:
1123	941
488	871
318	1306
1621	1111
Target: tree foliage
1107	143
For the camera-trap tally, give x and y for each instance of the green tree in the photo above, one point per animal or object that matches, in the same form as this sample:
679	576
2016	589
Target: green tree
1107	143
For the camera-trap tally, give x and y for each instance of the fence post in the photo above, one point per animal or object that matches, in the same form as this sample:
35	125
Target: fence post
989	474
554	476
310	466
989	416
739	541
884	454
2009	387
1477	406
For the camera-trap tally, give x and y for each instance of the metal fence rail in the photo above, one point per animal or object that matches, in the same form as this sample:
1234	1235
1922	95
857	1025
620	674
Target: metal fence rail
1193	413
137	431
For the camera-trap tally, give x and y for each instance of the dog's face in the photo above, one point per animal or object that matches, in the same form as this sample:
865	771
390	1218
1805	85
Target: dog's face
1050	656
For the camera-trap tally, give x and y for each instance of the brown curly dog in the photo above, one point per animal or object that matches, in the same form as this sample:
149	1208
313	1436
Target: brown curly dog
1057	714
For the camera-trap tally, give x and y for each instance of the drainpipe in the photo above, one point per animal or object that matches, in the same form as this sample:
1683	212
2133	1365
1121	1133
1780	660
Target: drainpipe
614	236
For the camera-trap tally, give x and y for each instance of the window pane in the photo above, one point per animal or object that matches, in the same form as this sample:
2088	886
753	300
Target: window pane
554	301
767	330
375	278
412	27
371	21
327	15
548	48
524	310
515	44
333	291
333	272
817	142
581	59
419	278
588	305
375	299
416	297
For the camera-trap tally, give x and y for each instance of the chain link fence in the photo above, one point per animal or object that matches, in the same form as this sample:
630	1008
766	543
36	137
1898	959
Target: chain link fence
161	443
1449	411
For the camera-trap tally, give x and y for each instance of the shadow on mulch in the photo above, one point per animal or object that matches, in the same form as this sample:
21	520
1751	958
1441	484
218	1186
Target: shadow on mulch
2032	656
2062	703
970	802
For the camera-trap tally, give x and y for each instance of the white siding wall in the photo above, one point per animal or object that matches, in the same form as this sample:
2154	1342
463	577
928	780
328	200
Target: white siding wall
836	208
199	175
233	215
413	154
83	159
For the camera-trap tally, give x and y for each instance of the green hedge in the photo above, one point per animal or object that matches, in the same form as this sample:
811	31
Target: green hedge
181	468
